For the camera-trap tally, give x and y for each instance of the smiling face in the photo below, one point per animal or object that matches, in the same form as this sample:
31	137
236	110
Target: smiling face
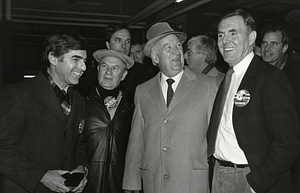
169	55
68	68
120	41
235	42
111	71
272	47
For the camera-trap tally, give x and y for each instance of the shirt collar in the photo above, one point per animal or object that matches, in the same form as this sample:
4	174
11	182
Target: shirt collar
175	78
244	64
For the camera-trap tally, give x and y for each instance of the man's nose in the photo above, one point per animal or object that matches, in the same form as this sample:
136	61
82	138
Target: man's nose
82	65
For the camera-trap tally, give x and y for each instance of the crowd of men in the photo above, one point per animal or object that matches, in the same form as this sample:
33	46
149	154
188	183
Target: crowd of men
149	123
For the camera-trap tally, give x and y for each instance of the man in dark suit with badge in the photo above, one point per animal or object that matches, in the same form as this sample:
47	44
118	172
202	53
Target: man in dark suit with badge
41	120
253	127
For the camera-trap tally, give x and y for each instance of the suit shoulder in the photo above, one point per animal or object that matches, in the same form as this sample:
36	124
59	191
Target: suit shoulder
204	78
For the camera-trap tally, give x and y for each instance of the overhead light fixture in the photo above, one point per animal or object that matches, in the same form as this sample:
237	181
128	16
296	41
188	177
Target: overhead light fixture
178	1
29	76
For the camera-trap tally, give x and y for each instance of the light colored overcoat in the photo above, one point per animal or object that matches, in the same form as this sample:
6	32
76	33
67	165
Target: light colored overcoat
167	147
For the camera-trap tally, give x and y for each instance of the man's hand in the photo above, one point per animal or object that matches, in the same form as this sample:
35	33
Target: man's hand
54	181
82	184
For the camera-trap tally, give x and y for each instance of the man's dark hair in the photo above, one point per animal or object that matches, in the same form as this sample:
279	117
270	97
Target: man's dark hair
248	19
137	40
275	28
61	42
112	28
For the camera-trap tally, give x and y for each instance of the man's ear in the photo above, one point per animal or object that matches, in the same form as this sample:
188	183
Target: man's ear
285	48
154	58
252	37
124	74
52	59
107	45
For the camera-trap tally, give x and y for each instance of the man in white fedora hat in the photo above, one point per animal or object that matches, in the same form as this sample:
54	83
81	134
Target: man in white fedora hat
167	149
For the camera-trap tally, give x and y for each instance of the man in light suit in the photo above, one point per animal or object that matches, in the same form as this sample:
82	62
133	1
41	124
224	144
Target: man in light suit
167	145
41	120
253	136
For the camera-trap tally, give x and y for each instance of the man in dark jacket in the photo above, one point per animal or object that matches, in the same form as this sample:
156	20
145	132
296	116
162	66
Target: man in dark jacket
118	38
109	110
276	51
40	125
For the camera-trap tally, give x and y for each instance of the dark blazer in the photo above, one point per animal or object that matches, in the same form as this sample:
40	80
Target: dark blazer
292	70
266	128
36	136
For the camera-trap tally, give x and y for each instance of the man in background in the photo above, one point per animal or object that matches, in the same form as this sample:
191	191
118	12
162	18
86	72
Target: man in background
118	38
274	50
137	54
41	120
201	56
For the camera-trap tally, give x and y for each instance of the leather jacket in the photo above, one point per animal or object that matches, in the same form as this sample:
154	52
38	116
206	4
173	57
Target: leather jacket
106	142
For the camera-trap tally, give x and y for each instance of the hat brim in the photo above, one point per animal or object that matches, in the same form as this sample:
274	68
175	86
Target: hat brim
99	54
148	46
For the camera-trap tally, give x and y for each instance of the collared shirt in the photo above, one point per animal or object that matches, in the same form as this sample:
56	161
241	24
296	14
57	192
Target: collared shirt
61	93
164	84
227	147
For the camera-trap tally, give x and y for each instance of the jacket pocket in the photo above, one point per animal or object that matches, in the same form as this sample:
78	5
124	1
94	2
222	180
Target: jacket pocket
199	176
199	165
144	165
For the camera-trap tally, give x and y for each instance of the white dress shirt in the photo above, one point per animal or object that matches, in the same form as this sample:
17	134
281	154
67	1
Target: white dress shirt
164	84
227	147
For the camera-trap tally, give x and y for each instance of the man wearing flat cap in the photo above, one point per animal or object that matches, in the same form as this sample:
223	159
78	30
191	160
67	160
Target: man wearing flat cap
109	110
167	148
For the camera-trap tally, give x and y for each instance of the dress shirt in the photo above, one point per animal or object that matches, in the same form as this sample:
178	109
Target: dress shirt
227	147
164	84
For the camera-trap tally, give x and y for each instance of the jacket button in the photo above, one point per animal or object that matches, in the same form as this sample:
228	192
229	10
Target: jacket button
166	176
164	148
165	121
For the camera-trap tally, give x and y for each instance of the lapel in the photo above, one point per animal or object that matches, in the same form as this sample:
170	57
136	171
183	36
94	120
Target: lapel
156	93
183	89
247	84
123	107
45	96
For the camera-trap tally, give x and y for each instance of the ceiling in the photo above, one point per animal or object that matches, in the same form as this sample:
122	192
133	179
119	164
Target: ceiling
32	20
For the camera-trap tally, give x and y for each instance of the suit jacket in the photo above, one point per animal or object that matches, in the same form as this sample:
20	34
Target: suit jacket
266	128
214	72
292	70
167	147
36	136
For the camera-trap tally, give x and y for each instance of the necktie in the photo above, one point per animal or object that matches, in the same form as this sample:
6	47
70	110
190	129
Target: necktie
224	89
218	111
170	91
66	103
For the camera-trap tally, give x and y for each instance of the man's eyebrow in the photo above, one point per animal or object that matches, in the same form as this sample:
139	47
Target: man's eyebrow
165	44
233	30
77	57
